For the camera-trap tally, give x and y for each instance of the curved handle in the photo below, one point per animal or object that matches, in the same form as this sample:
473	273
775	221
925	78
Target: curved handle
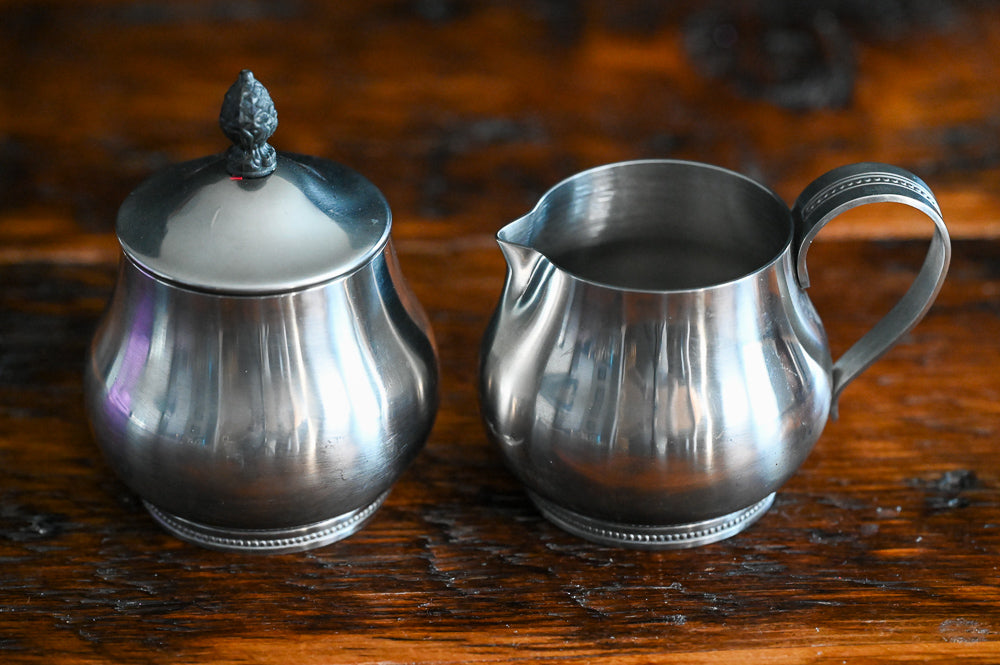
847	187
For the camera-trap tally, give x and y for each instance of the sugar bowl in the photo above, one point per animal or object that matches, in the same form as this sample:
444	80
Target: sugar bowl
263	374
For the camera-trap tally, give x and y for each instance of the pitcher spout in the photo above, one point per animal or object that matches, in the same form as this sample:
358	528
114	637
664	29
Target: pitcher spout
515	243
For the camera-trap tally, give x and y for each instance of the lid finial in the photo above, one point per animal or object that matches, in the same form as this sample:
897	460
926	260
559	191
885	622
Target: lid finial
248	118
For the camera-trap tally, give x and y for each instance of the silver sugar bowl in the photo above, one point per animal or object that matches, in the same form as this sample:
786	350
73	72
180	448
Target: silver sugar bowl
263	374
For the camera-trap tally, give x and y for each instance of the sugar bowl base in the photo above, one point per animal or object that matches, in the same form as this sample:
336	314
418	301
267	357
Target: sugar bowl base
267	541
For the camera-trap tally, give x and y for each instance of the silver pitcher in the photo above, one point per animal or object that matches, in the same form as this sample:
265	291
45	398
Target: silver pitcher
654	370
263	374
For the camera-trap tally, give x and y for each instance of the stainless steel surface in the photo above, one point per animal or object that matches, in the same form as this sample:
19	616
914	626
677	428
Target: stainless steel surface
263	374
654	371
310	221
255	541
277	414
849	187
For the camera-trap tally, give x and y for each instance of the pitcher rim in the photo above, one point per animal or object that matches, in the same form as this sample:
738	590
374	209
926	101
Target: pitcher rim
548	194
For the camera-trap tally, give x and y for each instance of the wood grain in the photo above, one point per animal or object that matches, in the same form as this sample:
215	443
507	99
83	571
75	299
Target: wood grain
885	547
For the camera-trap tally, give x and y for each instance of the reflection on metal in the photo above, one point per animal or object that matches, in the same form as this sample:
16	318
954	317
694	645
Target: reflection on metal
654	370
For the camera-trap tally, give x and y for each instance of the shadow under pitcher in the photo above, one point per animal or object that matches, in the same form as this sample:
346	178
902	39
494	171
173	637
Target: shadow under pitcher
654	370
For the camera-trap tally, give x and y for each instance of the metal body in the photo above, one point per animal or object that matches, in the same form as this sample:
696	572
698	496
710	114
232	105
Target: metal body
271	423
654	370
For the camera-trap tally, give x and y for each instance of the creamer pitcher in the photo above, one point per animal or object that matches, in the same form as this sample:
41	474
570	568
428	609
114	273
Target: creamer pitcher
654	370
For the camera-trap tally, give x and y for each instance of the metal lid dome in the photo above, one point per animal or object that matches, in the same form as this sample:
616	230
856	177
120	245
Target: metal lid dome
253	220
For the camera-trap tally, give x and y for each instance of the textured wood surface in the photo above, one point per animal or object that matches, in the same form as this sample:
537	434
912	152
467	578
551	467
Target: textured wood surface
885	547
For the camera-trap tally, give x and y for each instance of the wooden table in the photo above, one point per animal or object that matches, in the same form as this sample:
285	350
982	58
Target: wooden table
885	547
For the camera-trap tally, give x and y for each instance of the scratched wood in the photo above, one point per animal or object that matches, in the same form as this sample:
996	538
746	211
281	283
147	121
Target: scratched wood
888	537
885	547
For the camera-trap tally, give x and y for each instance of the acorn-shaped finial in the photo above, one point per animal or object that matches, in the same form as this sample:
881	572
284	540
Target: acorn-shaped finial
248	118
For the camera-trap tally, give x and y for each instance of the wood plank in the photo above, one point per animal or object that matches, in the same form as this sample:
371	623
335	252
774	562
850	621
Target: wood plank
884	546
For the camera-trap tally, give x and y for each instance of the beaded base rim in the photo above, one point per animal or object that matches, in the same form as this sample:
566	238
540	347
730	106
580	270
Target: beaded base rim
653	537
267	541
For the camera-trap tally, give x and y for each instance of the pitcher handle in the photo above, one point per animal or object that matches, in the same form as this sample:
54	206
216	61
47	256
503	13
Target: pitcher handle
847	187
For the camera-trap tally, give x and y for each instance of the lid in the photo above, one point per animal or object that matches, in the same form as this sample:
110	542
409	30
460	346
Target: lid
253	220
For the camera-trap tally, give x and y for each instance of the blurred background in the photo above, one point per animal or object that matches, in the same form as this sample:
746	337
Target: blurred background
464	112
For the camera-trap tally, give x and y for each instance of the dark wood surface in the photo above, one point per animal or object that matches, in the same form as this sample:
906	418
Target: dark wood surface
885	547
